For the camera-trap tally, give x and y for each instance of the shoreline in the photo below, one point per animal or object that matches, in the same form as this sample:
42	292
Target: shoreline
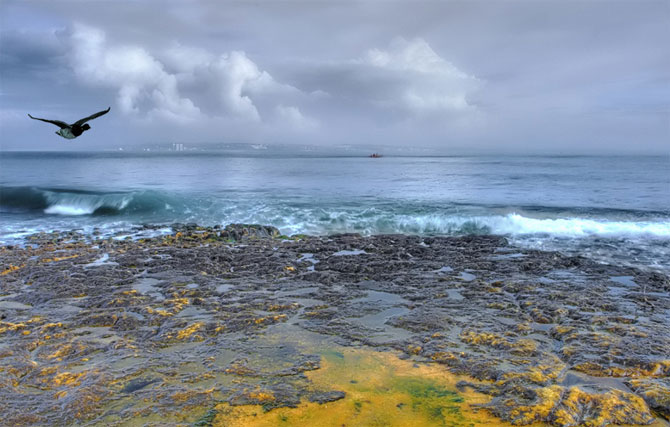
213	324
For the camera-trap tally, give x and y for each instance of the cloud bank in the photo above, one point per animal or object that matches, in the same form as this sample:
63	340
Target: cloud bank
187	84
180	84
507	77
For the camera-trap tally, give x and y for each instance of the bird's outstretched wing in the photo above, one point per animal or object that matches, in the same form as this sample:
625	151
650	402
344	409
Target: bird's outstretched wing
91	117
58	123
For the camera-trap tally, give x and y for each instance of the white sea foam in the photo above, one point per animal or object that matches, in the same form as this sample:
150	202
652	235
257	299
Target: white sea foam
512	224
70	210
82	204
515	224
576	227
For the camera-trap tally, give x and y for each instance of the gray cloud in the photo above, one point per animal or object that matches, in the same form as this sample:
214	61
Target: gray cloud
475	76
406	75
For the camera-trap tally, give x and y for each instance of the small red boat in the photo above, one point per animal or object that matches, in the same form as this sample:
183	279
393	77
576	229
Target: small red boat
375	155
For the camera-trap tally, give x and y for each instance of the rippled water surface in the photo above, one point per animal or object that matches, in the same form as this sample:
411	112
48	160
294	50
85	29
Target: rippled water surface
610	208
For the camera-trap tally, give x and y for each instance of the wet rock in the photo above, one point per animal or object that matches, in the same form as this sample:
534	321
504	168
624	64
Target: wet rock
239	232
201	308
573	406
137	384
656	392
326	396
269	398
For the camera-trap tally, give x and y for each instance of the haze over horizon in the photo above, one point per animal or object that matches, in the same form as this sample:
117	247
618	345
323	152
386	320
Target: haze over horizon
463	77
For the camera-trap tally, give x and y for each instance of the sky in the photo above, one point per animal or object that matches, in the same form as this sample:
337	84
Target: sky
536	77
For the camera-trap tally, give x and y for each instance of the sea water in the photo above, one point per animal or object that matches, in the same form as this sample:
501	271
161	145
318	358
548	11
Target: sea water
614	209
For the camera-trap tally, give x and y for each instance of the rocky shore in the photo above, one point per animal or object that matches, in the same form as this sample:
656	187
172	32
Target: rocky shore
242	326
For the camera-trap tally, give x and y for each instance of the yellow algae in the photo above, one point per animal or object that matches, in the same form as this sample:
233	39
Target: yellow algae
65	350
496	305
189	330
11	268
548	398
444	356
289	268
11	327
380	389
572	406
269	319
414	349
56	259
654	370
568	350
199	378
58	335
159	311
178	303
262	396
541	374
522	327
524	346
655	393
183	396
521	346
68	378
612	407
238	368
484	338
48	371
52	325
281	307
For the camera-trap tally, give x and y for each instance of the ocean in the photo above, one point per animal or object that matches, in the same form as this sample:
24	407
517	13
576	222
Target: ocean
612	209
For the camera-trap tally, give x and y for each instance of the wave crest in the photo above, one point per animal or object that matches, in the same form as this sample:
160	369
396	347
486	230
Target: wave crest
65	203
147	206
512	224
72	201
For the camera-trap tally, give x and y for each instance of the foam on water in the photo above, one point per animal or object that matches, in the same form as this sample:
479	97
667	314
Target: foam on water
609	208
575	227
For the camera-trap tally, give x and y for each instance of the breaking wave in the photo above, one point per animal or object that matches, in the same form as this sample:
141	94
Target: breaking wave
516	224
74	202
315	217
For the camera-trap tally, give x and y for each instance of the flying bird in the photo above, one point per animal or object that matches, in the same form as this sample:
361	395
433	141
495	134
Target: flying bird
75	129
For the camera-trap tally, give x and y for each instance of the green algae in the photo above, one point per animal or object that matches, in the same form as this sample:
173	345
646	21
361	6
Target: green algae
379	389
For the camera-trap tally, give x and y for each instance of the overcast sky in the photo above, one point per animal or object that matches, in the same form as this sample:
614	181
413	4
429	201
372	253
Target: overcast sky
491	76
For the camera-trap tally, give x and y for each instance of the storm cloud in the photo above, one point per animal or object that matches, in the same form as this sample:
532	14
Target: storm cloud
582	77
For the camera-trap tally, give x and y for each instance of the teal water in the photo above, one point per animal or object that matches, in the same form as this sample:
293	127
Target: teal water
616	209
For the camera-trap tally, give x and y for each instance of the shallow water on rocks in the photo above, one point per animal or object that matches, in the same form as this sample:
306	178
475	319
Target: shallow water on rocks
181	331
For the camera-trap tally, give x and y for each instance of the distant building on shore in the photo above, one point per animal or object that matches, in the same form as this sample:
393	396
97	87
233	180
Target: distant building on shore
178	147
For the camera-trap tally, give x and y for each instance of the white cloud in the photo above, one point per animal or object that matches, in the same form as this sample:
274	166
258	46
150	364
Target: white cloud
414	55
179	83
293	117
143	84
407	77
236	74
425	82
185	59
